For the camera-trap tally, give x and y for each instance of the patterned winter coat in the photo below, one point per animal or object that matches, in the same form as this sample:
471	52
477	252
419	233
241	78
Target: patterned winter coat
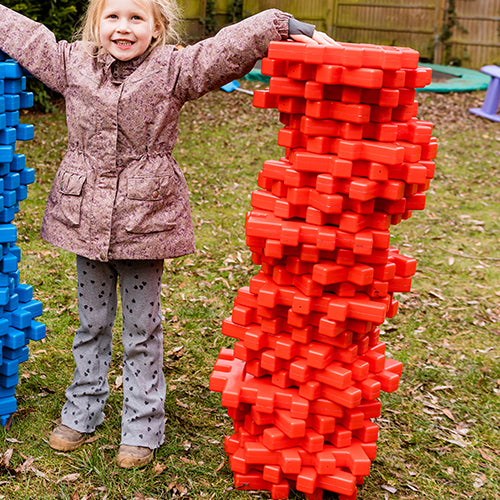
119	193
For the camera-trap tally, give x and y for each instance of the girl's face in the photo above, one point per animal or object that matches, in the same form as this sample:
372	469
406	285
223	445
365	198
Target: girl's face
127	28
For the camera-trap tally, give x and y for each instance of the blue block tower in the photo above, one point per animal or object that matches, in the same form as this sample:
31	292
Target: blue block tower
18	309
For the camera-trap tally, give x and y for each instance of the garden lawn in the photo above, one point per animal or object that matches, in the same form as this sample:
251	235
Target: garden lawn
439	432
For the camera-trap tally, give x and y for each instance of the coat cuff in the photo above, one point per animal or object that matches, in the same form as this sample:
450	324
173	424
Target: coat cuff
281	23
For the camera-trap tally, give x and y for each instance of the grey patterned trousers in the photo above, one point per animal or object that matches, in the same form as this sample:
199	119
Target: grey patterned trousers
142	337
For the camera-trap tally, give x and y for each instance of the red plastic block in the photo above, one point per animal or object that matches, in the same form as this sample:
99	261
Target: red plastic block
273	67
264	99
228	378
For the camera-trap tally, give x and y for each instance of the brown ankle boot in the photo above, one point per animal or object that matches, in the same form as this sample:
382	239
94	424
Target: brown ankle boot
133	456
64	438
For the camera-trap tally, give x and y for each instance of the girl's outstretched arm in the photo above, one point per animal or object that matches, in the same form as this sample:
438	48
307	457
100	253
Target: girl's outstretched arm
34	46
233	52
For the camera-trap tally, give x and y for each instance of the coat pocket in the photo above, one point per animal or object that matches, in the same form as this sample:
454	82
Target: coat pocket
69	196
151	204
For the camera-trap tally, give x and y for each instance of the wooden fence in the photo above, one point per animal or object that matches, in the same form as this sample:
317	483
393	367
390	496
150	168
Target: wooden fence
462	32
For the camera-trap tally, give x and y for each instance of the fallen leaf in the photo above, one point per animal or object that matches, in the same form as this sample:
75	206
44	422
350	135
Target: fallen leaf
448	414
390	489
118	382
13	440
70	478
480	481
485	455
5	460
26	465
158	468
91	439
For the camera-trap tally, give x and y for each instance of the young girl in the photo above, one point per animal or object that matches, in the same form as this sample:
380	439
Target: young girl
119	200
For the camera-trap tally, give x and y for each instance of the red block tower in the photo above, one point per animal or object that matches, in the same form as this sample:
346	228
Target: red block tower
303	380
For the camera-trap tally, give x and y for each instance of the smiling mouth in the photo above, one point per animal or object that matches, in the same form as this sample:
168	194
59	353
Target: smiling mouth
123	43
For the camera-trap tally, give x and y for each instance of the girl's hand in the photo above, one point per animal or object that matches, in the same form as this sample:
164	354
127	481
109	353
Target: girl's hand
318	38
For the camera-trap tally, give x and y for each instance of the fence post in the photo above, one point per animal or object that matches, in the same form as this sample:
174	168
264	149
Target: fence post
330	20
441	9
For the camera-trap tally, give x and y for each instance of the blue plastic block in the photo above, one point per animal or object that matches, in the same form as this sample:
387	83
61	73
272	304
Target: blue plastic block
9	381
21	193
16	278
25	292
12	102
3	118
8	405
5	392
34	307
25	132
5	169
13	69
14	339
6	153
13	303
7	214
2	103
27	99
4	296
18	163
20	319
8	233
8	264
37	331
13	86
12	118
4	419
4	278
27	176
15	250
9	367
20	355
8	136
4	326
9	197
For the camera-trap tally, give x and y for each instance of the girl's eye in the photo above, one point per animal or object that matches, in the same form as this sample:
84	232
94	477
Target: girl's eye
137	18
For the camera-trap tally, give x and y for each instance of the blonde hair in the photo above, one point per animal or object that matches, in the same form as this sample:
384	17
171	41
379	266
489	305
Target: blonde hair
166	16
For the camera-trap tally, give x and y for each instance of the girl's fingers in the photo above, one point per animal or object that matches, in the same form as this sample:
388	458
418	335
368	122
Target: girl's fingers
324	39
303	39
318	38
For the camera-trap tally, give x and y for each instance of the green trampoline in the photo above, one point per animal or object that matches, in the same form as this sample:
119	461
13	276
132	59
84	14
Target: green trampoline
455	79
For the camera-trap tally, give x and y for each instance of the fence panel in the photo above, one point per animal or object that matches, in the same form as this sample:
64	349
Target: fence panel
410	23
476	36
191	13
318	12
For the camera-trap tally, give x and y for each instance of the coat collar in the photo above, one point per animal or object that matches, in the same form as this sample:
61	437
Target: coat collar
120	70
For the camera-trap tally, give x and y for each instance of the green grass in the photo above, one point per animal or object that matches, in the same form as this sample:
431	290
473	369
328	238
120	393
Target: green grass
439	434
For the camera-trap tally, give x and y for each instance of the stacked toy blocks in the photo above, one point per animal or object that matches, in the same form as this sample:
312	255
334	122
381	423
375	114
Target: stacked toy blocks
18	309
303	380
